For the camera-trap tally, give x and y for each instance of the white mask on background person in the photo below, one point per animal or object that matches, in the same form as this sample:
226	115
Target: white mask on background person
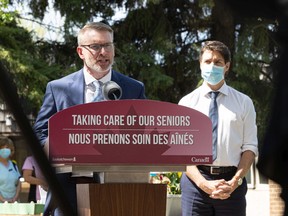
212	74
5	153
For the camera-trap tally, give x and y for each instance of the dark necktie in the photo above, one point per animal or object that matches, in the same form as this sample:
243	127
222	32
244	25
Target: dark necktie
98	92
213	115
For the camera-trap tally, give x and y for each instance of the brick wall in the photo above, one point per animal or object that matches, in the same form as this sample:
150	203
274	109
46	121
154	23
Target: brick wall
276	203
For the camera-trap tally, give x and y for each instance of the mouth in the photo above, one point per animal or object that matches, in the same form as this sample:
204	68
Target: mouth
103	61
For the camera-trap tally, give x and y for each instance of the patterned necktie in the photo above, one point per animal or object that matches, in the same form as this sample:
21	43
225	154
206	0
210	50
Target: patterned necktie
213	115
98	96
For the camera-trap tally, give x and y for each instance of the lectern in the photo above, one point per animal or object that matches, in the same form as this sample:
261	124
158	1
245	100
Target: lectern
126	140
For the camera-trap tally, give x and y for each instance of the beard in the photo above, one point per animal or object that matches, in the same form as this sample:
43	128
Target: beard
102	65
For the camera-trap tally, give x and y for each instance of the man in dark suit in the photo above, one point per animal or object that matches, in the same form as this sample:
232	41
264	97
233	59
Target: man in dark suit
96	49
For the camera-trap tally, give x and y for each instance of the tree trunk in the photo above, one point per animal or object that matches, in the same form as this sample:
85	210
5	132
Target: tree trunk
223	24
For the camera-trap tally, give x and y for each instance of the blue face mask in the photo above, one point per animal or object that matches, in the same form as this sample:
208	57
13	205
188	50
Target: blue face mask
212	74
5	153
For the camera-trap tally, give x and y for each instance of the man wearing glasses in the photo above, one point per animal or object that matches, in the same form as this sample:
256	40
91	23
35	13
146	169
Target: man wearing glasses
96	49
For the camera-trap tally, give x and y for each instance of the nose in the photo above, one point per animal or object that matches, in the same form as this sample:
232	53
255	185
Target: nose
103	49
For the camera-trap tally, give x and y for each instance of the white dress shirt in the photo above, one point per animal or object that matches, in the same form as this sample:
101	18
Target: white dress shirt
89	96
237	130
89	79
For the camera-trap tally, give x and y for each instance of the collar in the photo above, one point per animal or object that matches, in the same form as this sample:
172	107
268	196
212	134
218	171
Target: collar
89	78
206	89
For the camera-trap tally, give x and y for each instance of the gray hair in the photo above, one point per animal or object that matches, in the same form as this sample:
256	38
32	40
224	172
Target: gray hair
98	26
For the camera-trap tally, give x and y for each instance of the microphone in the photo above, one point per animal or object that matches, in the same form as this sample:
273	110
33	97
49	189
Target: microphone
111	91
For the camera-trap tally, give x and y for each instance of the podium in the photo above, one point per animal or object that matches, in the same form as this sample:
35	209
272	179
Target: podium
121	199
126	140
126	190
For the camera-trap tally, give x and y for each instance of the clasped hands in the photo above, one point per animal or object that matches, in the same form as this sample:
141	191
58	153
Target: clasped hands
218	189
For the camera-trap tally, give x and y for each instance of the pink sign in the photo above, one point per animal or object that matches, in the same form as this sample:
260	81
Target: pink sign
130	132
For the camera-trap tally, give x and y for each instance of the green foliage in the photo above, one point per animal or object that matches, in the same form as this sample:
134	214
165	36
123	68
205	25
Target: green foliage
158	43
252	74
28	75
172	179
12	37
38	7
27	65
172	65
6	16
174	185
252	48
142	67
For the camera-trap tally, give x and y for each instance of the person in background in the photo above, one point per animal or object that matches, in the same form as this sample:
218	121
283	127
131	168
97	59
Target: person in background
96	49
33	175
219	189
12	148
9	174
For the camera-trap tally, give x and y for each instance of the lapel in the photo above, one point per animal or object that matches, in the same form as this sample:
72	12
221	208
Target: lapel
119	79
75	88
116	78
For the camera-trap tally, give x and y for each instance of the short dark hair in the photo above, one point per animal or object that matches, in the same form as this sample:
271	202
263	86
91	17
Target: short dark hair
216	46
5	141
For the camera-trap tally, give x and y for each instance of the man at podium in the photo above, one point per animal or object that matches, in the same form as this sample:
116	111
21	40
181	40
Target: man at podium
96	49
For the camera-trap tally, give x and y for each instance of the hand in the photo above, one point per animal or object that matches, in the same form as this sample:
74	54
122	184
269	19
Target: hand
9	200
14	199
225	190
222	192
210	186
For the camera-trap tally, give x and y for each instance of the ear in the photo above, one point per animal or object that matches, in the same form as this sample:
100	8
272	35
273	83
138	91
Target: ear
113	50
226	68
80	52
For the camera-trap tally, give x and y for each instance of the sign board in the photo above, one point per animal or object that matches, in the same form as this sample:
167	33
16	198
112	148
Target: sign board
129	132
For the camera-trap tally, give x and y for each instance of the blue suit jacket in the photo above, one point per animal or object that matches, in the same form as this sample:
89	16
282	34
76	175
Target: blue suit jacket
70	91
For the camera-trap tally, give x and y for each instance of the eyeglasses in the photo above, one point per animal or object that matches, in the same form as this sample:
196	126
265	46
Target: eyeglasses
98	47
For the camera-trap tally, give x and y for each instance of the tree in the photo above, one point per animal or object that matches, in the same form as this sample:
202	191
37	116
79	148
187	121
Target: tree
17	51
30	63
158	42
